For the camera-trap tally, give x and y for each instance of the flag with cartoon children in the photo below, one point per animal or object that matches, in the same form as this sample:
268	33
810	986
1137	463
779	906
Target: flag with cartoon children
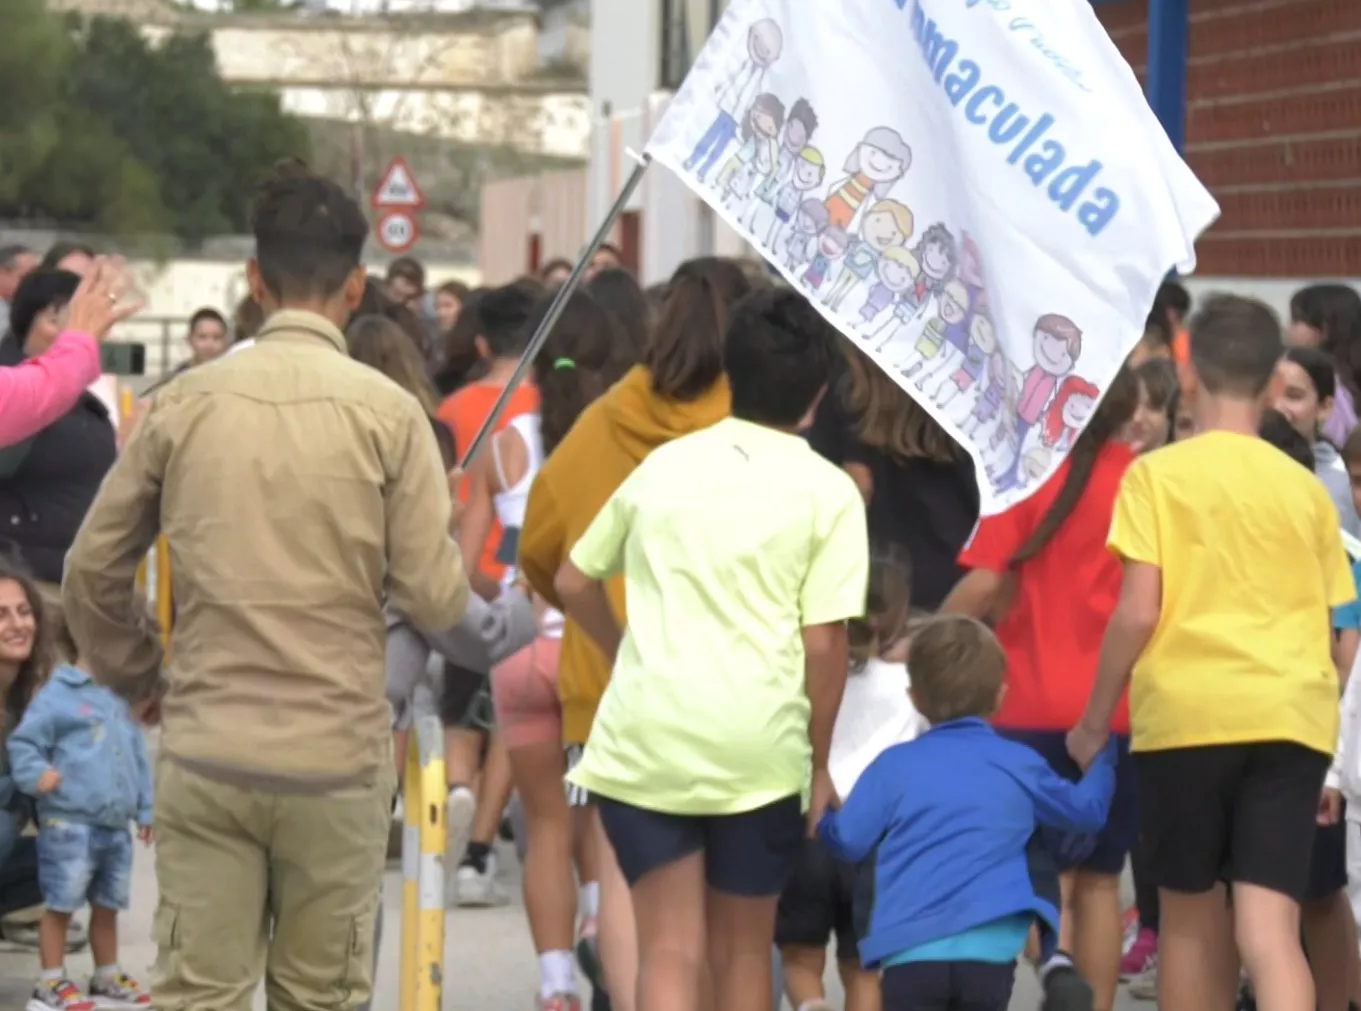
975	191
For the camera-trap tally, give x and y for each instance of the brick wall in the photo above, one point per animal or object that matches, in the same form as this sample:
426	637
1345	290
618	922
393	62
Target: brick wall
1273	128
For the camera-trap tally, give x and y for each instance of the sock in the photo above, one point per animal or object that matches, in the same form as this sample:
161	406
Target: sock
557	974
588	899
1058	961
476	857
105	973
53	975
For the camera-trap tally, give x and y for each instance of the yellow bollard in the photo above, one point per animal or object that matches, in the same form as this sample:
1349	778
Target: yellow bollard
424	836
165	600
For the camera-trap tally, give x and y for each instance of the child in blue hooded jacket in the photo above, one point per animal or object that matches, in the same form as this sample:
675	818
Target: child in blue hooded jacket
80	752
947	821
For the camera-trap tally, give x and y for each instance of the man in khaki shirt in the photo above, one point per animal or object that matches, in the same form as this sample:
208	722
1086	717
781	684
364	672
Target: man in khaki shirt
298	490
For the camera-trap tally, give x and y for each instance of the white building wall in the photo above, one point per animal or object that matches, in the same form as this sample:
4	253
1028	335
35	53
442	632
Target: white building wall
626	62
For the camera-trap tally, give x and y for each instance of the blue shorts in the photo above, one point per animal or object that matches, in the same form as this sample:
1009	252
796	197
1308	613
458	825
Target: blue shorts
1105	852
83	863
751	854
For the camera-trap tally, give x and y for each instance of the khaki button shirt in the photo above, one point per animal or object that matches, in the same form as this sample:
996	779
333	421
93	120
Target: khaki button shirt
298	489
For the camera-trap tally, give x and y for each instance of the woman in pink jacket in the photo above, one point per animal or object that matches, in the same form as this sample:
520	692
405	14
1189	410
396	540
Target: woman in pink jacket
39	390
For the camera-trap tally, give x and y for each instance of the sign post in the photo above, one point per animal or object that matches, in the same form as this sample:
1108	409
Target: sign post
397	199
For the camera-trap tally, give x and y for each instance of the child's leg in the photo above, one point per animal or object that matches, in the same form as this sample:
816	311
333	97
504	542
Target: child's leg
1330	940
110	891
804	919
749	858
1097	934
1329	929
741	932
1197	963
65	869
861	986
52	940
104	937
1274	830
1267	927
661	857
619	935
802	976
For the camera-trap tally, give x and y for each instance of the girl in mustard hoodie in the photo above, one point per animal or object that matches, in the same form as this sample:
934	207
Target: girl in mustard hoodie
679	389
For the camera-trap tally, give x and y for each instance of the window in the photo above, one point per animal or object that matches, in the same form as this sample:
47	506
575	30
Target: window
686	25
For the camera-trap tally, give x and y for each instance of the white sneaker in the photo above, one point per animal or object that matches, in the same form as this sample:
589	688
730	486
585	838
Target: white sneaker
461	808
1145	985
474	889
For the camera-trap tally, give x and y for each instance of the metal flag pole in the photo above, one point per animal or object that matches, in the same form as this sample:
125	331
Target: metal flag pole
555	309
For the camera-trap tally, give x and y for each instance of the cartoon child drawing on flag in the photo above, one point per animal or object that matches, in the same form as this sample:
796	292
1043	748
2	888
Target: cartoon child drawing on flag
765	43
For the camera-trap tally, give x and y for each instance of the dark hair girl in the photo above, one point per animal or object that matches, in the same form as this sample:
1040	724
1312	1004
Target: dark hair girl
887	602
383	345
1307	391
1328	317
619	294
918	483
462	362
686	355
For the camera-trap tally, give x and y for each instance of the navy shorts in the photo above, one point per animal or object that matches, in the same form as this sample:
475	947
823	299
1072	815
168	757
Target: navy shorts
1105	852
961	986
84	863
818	902
750	854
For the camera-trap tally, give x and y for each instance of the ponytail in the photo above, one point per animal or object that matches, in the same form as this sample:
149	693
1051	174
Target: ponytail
1114	412
686	353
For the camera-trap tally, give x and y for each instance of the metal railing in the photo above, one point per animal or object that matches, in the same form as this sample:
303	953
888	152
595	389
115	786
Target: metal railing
424	836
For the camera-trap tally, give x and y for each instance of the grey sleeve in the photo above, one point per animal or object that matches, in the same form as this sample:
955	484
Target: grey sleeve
489	632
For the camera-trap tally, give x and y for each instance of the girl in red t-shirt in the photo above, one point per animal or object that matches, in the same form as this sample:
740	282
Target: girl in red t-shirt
1041	570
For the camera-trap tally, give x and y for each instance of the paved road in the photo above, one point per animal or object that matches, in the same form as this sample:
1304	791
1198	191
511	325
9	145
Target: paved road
490	965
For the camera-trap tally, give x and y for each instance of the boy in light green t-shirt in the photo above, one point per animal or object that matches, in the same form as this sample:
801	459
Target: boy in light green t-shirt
743	553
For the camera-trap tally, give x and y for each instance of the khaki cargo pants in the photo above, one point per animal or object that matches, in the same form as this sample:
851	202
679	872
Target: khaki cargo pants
256	882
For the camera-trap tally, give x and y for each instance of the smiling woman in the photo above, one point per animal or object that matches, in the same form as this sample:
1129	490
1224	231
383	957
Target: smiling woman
25	661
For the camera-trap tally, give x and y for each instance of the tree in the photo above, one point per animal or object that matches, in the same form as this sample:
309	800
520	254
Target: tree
116	133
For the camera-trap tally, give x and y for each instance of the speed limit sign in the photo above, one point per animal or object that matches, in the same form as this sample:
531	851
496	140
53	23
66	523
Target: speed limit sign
397	231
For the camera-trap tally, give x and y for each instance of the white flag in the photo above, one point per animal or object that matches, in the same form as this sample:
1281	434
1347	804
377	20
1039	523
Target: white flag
975	191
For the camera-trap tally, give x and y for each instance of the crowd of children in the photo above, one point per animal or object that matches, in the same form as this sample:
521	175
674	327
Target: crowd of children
1132	666
1127	568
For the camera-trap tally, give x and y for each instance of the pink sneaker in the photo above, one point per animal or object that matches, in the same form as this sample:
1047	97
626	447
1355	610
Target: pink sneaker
560	1002
1141	953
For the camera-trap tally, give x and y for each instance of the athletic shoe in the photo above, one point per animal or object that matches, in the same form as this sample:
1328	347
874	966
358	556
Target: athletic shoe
462	808
1145	985
1065	990
1140	955
59	995
477	889
122	992
560	1002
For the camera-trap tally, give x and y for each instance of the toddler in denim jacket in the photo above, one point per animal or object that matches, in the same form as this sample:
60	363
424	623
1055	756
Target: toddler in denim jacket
80	752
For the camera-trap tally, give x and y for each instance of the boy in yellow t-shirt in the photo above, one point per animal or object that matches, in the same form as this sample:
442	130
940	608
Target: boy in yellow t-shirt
1232	562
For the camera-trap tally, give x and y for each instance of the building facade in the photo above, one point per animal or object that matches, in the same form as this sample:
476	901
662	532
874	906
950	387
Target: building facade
1272	126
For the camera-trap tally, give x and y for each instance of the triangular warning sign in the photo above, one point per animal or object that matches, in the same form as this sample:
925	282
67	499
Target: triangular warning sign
398	187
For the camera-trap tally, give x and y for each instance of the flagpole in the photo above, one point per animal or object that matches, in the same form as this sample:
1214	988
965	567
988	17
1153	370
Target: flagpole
556	308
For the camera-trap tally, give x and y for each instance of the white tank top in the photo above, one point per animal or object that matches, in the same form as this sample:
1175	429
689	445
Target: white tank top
510	505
